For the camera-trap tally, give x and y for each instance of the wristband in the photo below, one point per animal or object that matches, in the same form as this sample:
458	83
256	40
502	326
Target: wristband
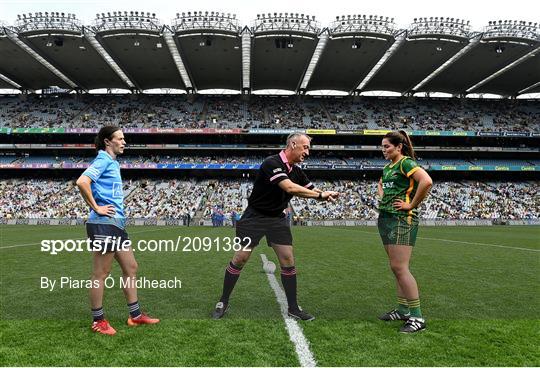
320	195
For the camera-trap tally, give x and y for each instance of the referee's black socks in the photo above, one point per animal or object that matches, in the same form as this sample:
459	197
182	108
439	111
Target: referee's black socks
232	273
288	279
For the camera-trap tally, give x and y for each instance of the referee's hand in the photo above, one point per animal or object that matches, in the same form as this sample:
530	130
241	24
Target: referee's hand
329	196
107	210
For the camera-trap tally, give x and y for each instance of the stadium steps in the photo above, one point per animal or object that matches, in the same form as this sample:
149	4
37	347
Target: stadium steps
147	107
204	111
132	192
439	199
266	115
244	110
326	113
332	118
83	111
489	186
199	213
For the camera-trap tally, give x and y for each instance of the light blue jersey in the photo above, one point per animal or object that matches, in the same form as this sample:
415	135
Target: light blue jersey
106	189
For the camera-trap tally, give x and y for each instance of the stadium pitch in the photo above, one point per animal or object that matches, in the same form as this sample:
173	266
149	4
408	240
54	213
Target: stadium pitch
479	290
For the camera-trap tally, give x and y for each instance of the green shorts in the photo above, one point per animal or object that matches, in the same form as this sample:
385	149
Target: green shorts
397	230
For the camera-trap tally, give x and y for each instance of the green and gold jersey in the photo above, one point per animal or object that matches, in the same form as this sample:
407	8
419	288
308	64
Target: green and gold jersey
397	184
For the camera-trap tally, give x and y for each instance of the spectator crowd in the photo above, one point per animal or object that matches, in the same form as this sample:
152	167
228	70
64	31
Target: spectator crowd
222	201
270	112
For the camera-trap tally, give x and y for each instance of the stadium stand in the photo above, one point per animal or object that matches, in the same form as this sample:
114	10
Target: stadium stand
316	158
169	111
63	98
172	199
164	199
7	159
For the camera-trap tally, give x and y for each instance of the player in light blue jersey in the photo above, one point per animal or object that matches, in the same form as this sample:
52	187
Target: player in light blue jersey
101	187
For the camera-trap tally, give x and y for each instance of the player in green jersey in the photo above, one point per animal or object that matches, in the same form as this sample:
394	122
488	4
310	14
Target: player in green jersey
401	189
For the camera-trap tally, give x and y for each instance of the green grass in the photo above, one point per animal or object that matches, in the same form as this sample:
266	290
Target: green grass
481	302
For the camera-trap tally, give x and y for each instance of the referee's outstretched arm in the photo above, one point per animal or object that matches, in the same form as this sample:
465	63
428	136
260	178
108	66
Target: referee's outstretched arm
297	190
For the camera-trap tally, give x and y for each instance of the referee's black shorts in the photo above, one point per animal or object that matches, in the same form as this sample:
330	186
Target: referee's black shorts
99	233
254	225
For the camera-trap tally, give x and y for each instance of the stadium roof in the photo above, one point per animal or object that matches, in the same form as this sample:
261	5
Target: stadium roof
23	68
482	60
293	52
517	79
72	54
351	52
5	84
213	61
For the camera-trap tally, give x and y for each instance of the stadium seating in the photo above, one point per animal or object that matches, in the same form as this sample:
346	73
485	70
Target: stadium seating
173	198
7	159
177	111
316	159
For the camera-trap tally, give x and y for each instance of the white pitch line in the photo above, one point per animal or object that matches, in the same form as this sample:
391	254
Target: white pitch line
26	245
457	241
301	344
487	244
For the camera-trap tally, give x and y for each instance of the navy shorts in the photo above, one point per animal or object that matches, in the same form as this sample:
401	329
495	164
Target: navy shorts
107	238
253	225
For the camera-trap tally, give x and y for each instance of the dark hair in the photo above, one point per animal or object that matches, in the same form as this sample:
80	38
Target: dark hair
401	137
105	132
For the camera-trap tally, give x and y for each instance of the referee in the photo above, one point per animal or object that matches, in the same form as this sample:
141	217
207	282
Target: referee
278	180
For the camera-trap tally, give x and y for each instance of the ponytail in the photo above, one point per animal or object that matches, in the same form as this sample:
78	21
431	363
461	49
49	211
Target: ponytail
408	149
105	132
